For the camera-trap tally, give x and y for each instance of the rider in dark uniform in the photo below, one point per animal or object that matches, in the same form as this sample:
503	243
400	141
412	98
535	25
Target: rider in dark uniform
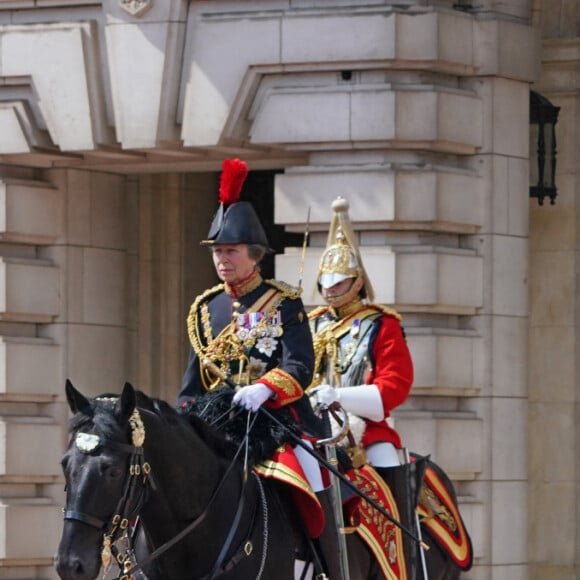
254	331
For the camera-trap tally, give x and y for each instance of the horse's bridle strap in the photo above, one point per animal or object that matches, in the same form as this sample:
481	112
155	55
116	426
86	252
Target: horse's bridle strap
90	520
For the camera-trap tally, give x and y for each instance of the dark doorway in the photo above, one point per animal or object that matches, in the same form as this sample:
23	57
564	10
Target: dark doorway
259	191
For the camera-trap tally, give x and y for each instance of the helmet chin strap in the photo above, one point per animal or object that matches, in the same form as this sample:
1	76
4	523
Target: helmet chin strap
348	296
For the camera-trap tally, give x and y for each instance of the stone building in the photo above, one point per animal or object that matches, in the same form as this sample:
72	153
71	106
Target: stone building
115	116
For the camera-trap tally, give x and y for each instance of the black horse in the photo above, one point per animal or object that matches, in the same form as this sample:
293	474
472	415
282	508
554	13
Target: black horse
200	514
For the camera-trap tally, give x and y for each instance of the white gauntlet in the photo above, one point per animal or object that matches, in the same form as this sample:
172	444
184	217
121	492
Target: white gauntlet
362	400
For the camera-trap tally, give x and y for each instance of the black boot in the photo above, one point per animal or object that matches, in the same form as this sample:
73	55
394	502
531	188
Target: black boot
328	545
405	481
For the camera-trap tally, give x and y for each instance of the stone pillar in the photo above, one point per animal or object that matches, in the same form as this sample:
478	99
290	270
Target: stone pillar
554	321
91	253
170	214
31	418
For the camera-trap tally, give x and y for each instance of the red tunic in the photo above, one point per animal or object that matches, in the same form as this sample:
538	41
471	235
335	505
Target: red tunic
392	373
391	369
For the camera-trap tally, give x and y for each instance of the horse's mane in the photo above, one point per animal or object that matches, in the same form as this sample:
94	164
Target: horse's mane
219	425
215	408
210	436
101	416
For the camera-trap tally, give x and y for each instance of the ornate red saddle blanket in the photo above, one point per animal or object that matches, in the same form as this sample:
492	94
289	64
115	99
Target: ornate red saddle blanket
384	538
439	514
284	466
437	509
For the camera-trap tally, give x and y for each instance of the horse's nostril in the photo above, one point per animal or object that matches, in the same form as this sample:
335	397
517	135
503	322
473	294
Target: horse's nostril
77	566
69	567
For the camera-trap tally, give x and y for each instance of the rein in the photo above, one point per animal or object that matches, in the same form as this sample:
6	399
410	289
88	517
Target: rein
218	567
133	496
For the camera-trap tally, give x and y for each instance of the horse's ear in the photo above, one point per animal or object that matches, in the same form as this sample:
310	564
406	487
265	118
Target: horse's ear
77	402
126	402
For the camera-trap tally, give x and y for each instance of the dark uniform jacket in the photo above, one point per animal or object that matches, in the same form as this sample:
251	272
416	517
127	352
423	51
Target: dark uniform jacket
256	332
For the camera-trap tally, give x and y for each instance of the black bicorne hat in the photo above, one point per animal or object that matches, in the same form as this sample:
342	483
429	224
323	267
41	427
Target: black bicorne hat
235	222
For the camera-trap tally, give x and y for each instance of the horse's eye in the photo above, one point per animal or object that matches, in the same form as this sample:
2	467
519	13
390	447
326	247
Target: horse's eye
113	471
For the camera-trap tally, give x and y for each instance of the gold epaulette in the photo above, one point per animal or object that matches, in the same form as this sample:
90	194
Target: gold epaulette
205	295
286	290
386	310
317	312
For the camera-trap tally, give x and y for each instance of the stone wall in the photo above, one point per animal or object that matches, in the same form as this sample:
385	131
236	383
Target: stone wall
114	125
553	375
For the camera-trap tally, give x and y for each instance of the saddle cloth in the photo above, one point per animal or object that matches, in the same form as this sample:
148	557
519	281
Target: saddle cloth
285	467
440	516
384	538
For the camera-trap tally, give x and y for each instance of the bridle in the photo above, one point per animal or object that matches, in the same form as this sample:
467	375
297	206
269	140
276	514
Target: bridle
135	492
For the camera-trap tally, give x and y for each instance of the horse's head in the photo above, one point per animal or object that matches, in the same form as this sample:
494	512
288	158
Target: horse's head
105	438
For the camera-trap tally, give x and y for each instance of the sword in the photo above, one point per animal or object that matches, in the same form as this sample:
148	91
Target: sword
304	245
330	451
418	530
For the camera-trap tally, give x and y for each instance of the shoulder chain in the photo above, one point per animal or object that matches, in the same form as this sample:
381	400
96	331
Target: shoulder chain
286	290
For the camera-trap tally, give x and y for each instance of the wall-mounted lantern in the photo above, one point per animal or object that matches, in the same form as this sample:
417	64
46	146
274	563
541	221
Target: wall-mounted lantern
543	119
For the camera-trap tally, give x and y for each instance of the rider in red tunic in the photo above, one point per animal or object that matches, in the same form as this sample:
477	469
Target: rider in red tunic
360	347
362	362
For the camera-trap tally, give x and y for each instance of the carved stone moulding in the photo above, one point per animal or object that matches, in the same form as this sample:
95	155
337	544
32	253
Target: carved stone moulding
135	7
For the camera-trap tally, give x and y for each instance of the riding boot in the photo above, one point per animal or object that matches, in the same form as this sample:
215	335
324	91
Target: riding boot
405	481
327	544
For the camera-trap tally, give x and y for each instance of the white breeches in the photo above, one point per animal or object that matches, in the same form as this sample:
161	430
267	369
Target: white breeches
299	566
383	454
310	467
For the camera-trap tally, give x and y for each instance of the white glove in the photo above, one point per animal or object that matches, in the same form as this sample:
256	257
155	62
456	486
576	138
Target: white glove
251	397
326	395
362	400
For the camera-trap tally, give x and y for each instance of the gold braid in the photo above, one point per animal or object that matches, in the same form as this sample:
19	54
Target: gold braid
325	349
227	346
220	350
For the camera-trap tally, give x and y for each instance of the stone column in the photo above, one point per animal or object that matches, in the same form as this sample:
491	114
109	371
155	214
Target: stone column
170	215
554	320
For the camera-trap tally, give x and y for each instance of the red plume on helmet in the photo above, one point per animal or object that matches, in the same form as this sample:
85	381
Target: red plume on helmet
235	222
234	173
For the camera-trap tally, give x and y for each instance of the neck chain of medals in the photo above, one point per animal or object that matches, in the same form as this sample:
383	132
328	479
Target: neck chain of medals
241	338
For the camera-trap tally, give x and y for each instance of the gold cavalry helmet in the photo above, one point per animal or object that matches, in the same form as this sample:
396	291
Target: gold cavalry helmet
341	258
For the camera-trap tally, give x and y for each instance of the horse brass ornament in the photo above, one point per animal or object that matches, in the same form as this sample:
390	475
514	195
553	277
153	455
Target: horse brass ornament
137	429
87	442
106	554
